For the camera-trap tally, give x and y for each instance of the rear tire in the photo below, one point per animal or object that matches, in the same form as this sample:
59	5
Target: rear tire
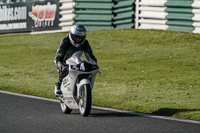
85	100
65	109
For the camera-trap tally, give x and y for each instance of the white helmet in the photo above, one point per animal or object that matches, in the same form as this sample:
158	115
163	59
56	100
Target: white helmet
77	35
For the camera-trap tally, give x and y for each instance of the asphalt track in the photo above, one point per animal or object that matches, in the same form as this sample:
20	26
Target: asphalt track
29	115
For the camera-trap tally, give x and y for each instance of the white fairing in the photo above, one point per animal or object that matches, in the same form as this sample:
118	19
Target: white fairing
76	58
70	87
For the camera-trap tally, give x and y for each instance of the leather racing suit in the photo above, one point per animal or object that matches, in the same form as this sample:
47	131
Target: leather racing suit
66	50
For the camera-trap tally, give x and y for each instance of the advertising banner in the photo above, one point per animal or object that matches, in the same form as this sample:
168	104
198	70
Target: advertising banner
29	16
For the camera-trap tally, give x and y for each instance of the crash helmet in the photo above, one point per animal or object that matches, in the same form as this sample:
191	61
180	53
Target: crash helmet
77	35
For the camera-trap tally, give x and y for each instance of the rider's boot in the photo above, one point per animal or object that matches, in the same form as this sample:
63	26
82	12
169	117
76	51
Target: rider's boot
57	90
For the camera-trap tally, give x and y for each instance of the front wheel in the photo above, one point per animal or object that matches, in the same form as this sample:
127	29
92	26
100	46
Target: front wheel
85	100
65	109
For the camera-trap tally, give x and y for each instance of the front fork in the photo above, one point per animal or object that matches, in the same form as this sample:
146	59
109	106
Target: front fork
80	84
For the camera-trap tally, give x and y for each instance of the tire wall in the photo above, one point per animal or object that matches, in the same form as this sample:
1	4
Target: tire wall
173	15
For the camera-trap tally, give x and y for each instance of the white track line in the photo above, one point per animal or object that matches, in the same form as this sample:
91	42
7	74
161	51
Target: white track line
147	115
29	96
107	109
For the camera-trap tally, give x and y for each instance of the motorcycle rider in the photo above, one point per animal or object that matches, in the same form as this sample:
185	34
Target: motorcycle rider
73	42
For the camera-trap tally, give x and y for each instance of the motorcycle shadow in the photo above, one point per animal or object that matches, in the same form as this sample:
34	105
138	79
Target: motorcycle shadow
101	113
110	114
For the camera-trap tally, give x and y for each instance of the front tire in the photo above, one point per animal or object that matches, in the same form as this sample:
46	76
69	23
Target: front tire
65	109
85	100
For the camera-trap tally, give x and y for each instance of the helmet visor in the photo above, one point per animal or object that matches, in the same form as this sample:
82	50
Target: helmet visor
78	39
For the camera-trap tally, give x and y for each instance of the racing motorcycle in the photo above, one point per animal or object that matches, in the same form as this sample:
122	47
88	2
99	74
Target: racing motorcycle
77	86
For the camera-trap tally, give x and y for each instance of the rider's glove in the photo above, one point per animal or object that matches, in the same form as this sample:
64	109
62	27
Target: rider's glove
59	66
65	71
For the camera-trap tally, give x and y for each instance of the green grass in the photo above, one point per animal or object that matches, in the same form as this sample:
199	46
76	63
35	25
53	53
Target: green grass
142	70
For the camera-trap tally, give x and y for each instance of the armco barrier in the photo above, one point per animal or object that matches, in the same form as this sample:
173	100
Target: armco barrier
124	14
94	14
175	15
67	15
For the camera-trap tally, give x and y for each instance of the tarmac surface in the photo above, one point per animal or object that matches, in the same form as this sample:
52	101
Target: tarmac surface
28	115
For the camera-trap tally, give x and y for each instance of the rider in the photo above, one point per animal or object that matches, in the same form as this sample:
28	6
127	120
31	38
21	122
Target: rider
73	42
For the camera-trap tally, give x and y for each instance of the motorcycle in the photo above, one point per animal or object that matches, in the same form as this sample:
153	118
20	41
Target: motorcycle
77	86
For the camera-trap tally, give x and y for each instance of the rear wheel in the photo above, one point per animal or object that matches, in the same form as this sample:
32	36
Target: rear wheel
85	100
65	109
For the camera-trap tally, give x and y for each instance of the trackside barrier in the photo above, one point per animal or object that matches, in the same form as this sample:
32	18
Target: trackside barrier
67	15
10	1
124	11
174	15
18	16
94	14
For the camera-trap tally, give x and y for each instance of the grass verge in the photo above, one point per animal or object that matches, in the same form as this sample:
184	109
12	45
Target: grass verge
142	70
